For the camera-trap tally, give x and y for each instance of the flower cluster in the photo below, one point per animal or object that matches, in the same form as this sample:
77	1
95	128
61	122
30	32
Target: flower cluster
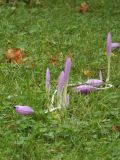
92	85
61	92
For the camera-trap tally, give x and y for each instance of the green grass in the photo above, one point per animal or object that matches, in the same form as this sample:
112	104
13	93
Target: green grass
84	131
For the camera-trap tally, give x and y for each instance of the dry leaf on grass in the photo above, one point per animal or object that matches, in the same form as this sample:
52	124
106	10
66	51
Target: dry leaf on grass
116	128
88	73
14	55
83	7
55	60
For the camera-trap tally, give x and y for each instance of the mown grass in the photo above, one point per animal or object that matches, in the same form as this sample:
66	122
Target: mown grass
84	131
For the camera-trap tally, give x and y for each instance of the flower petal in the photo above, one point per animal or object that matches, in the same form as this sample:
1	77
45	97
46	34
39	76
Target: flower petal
47	80
85	89
115	45
24	110
67	69
94	82
61	82
109	45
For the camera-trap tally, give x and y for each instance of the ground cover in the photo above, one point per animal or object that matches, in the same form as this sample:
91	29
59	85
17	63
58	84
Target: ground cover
48	33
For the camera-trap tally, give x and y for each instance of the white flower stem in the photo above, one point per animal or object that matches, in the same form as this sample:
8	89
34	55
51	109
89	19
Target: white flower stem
75	84
53	109
59	100
108	72
53	96
48	100
65	94
107	87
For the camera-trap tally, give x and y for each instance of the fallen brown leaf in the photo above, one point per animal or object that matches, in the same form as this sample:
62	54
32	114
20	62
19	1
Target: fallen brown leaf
116	128
14	55
55	60
83	7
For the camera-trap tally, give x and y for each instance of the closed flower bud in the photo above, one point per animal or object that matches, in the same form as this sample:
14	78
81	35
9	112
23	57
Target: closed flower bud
94	82
85	89
24	110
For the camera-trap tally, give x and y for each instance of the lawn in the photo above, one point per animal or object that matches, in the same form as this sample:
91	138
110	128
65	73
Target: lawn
48	34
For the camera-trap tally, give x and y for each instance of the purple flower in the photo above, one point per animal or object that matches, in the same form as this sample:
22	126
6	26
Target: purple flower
47	80
24	110
110	45
115	45
94	82
67	69
61	82
85	89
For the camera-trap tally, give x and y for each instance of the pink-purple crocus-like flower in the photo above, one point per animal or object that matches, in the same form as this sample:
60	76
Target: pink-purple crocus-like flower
66	78
24	110
85	89
67	69
61	82
47	80
94	82
110	45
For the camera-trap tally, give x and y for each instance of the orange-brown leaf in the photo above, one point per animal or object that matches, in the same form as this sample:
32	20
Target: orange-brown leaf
84	7
55	60
14	55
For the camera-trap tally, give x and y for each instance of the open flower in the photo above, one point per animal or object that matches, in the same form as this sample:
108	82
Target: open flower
84	89
24	110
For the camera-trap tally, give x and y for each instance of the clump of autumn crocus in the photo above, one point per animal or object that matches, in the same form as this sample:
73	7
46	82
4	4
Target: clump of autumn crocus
62	95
